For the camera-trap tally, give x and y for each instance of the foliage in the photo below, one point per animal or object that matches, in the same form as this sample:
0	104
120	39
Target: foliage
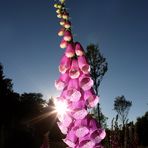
5	85
98	67
142	129
122	107
13	109
117	137
103	118
33	102
9	99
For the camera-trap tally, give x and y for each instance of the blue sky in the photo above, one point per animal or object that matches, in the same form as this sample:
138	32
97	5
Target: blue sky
30	53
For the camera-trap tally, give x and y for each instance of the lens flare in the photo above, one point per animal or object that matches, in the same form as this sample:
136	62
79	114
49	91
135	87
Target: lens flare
61	107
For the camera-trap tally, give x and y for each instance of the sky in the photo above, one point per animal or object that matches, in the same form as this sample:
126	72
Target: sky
30	52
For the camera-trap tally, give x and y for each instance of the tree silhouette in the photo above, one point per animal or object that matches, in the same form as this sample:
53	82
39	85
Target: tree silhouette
5	84
98	67
9	107
16	112
122	107
31	104
9	99
142	129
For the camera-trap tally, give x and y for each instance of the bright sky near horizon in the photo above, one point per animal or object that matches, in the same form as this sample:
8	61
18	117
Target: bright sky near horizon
30	52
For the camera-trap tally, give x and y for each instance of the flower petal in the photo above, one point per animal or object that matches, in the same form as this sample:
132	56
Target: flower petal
85	82
83	64
70	51
80	114
74	71
79	49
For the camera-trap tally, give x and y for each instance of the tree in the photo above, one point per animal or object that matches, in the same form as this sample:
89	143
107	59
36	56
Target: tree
9	99
31	104
5	84
98	67
122	107
103	119
142	129
8	107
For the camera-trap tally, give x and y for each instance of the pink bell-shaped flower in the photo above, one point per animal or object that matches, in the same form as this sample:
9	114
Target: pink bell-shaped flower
56	5
73	84
63	44
62	22
59	84
93	125
67	36
81	131
88	143
59	6
83	64
83	122
65	16
91	99
70	52
67	24
77	105
74	71
80	114
79	49
58	11
98	135
63	128
85	82
66	120
62	81
73	95
61	32
64	64
72	92
103	134
65	77
59	15
71	139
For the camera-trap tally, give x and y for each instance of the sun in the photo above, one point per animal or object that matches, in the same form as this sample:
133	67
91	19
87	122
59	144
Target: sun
61	107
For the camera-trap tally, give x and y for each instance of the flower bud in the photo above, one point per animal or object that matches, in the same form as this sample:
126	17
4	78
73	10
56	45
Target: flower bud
63	44
83	64
79	49
67	25
85	82
74	71
70	52
67	36
61	32
64	64
62	22
65	16
59	15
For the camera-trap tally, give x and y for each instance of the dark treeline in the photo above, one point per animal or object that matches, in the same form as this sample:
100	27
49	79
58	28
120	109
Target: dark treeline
25	118
132	135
